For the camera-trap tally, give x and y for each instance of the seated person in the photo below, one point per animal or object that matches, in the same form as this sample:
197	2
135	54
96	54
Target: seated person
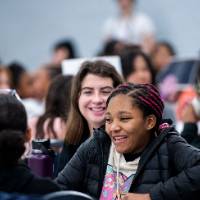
139	158
14	175
90	89
191	118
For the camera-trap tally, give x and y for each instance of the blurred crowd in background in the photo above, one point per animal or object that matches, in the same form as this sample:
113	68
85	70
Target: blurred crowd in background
144	59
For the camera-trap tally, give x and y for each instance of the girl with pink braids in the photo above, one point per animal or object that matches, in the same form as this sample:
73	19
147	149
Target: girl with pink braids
139	156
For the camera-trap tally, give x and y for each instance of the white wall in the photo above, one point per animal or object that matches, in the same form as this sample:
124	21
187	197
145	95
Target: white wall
30	28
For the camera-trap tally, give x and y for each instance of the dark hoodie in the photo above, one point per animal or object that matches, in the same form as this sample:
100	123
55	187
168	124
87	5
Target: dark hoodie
20	179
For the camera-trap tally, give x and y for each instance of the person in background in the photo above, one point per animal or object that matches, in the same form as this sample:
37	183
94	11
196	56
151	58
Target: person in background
112	47
51	124
15	176
41	80
187	105
190	121
162	55
130	26
22	80
90	89
64	49
191	115
5	78
137	68
139	157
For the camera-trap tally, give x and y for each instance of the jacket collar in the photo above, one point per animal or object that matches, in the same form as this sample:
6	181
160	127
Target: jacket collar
150	149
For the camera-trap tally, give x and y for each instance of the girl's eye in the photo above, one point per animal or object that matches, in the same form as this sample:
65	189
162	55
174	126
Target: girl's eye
108	120
106	92
125	119
87	92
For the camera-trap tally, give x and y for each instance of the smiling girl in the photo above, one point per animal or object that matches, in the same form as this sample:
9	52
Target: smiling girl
139	158
90	89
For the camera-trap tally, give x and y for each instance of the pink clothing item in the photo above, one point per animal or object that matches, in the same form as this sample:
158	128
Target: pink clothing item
59	127
109	190
119	175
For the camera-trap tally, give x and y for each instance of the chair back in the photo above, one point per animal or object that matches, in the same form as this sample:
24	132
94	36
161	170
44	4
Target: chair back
67	195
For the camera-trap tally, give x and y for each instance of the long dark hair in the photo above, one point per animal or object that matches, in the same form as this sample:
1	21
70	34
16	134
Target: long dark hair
56	105
76	123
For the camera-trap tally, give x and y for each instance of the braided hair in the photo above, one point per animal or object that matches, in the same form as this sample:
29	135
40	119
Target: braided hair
145	96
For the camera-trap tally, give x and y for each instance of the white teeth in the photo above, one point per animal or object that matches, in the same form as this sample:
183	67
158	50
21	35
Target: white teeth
119	138
97	109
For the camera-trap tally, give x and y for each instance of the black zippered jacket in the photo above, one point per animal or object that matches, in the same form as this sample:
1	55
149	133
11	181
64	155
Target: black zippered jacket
169	168
19	179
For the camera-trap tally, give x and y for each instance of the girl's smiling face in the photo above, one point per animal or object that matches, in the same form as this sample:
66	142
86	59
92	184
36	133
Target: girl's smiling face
128	129
93	96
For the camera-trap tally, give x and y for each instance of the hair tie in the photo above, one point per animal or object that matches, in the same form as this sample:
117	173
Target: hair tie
164	126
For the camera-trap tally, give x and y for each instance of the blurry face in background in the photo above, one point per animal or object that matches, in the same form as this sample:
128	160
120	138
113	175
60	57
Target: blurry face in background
93	96
125	4
161	57
41	83
60	55
141	73
5	81
25	88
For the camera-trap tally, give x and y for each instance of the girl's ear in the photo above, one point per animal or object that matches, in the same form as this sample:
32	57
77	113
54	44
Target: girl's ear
28	135
150	122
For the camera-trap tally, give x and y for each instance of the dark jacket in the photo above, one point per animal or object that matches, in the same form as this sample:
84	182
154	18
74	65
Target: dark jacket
190	134
20	179
66	154
168	168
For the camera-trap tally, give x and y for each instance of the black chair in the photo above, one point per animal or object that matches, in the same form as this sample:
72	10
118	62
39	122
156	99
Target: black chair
67	195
